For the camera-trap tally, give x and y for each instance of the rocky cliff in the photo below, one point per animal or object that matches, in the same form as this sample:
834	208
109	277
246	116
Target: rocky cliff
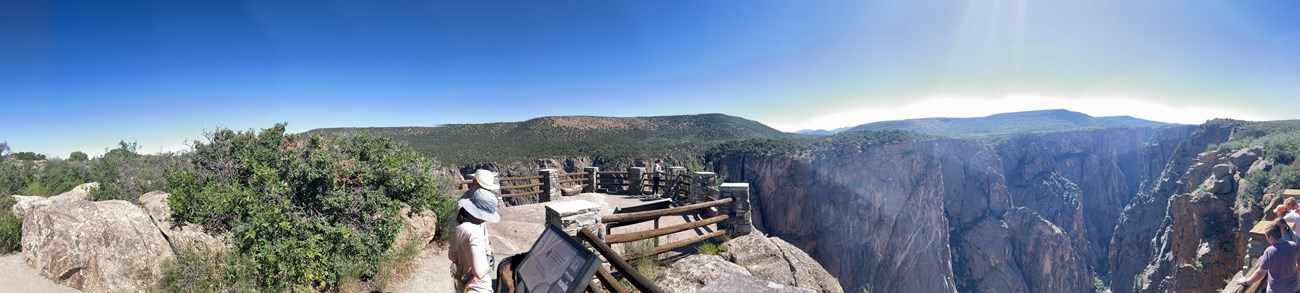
1030	213
1132	246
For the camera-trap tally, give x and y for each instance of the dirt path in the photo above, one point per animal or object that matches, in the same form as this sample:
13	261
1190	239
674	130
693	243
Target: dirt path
432	274
18	277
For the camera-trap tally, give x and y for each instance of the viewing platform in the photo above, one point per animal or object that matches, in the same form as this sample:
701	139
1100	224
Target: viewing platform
613	213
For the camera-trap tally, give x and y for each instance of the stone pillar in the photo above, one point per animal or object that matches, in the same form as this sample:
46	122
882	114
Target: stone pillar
591	178
574	215
636	180
670	182
702	186
550	190
739	222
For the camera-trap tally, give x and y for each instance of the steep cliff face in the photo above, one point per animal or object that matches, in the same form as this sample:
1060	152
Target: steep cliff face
1132	247
1081	180
921	216
1032	213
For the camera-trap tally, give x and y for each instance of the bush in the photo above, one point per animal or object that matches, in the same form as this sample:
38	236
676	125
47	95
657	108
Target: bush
304	213
207	271
11	227
78	156
28	156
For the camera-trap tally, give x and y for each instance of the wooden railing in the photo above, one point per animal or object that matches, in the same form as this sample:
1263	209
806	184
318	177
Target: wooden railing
617	262
654	233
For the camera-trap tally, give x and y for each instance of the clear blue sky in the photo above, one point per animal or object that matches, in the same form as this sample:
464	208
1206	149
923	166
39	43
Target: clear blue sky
81	75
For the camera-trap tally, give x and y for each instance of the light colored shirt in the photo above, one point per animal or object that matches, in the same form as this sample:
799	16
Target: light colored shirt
469	251
658	169
1291	219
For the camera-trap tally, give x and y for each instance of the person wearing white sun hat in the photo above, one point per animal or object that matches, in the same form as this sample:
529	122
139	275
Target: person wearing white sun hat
470	254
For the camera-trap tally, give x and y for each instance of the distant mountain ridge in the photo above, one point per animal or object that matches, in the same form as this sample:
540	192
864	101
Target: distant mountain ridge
559	136
1009	123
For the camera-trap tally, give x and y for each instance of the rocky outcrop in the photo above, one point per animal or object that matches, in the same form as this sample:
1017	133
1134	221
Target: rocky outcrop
179	236
24	204
106	246
774	260
419	226
749	284
1133	246
696	271
1198	248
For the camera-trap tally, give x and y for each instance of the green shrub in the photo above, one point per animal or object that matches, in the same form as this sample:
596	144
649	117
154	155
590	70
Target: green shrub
305	213
207	271
78	156
11	227
28	156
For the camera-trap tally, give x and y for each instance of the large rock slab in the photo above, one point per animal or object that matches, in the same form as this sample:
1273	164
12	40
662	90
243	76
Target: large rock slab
107	246
748	284
696	271
24	204
777	261
179	235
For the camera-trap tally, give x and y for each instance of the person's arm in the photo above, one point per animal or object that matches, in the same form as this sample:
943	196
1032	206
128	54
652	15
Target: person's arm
1259	274
478	248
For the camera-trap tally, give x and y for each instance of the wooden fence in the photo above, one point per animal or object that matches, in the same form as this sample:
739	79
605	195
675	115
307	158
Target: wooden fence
654	233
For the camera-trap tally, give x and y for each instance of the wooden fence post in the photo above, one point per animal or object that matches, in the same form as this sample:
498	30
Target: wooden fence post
591	178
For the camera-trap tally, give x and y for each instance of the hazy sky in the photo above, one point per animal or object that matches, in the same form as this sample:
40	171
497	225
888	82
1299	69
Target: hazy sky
81	75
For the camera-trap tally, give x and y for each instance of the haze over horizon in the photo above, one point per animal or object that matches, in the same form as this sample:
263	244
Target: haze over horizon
80	76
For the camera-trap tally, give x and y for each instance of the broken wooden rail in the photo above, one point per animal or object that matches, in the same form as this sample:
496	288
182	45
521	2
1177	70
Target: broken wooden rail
616	261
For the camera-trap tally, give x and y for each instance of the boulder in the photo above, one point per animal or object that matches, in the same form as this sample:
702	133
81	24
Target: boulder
1244	158
696	271
748	284
179	235
420	227
27	203
775	260
107	246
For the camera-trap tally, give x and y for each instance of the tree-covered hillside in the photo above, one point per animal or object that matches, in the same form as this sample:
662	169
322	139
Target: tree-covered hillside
611	137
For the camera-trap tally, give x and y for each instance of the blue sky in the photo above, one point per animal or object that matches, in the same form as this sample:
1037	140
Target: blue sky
81	75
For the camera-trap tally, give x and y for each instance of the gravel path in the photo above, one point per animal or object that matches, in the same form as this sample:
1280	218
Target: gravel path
18	277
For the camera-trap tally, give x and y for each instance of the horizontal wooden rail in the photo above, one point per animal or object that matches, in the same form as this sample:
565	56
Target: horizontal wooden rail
463	181
675	245
647	234
613	172
611	184
459	191
615	260
574	174
607	279
570	180
519	178
521	194
510	187
615	218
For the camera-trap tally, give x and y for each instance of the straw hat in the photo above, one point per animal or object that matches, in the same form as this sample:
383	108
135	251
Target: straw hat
486	179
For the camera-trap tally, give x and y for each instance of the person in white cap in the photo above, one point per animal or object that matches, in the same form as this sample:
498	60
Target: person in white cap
469	251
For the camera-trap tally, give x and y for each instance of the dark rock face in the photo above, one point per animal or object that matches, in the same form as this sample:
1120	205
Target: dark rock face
1035	213
883	218
1132	247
